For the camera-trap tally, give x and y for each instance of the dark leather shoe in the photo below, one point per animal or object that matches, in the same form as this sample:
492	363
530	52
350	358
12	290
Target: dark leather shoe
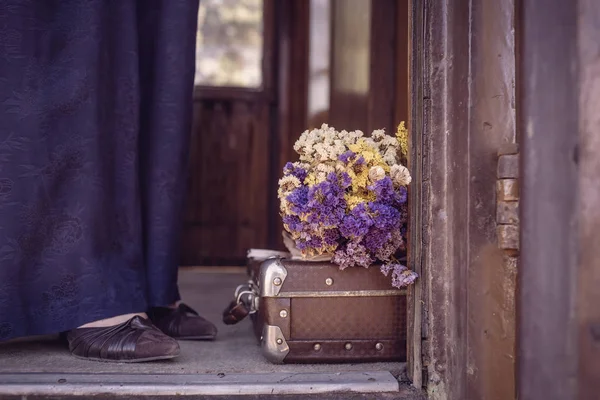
182	323
136	340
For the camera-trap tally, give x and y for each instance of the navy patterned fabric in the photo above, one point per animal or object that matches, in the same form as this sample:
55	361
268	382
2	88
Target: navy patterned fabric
95	115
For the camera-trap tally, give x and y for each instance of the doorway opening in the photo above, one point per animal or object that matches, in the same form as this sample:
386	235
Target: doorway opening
266	71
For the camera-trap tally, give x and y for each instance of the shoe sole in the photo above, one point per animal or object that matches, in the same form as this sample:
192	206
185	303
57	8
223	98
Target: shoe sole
133	361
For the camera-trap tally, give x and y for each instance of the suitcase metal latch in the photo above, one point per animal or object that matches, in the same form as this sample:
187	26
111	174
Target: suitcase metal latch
248	295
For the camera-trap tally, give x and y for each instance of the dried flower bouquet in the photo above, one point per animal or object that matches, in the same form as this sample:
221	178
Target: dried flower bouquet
346	199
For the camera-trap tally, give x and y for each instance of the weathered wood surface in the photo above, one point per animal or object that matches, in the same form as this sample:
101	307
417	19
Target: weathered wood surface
468	117
588	159
550	207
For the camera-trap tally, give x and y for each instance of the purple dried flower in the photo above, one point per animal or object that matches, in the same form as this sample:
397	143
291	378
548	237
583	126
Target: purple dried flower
331	237
320	220
315	242
386	269
350	156
386	193
385	252
353	254
298	199
376	239
403	279
298	172
356	223
346	156
301	244
345	180
293	223
401	276
402	195
385	217
384	190
326	202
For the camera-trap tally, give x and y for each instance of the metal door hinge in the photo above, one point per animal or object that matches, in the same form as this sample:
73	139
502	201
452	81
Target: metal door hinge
507	199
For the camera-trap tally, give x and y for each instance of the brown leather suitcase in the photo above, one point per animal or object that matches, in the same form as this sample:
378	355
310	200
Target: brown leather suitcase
311	312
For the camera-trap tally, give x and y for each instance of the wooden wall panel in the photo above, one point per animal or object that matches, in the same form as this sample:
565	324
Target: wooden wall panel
559	321
227	205
588	159
547	335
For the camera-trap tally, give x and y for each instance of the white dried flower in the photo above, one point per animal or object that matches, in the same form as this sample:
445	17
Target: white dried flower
324	144
390	155
386	145
340	167
378	134
376	173
299	164
287	184
321	172
400	175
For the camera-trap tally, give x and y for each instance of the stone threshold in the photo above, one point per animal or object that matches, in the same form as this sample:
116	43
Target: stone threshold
151	385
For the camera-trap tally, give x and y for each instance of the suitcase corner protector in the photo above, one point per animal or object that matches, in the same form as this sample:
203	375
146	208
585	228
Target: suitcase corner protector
273	344
272	276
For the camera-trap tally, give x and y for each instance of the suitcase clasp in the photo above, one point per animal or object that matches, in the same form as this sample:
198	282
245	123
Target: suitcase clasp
248	295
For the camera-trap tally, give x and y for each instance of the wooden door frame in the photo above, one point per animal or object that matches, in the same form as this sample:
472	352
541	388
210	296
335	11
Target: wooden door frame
462	112
438	219
416	79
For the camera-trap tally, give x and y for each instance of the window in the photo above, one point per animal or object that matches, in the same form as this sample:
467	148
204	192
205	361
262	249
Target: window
319	59
229	46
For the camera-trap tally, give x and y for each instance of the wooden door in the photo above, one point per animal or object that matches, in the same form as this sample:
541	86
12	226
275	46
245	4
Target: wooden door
231	143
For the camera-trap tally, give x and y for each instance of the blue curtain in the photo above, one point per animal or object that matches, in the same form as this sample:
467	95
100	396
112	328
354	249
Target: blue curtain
95	117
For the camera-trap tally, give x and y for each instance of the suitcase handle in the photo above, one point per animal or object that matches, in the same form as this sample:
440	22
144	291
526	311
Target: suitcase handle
245	303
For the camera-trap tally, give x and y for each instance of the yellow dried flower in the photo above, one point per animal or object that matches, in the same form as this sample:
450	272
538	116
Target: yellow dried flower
354	199
371	155
311	179
402	136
